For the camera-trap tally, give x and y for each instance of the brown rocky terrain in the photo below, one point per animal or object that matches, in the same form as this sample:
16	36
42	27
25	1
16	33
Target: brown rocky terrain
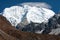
8	32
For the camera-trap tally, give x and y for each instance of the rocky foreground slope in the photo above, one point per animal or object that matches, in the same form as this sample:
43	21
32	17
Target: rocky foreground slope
8	32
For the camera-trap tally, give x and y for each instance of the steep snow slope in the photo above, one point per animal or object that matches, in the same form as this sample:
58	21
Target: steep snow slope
39	15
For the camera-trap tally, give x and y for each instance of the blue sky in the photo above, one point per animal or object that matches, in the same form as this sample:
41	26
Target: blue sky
7	3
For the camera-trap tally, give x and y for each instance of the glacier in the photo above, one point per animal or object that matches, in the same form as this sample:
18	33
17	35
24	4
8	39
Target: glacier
16	14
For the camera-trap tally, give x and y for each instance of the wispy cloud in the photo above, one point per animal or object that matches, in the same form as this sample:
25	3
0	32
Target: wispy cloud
38	4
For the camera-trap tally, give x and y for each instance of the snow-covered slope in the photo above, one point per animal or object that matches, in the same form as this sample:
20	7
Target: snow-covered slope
16	14
39	15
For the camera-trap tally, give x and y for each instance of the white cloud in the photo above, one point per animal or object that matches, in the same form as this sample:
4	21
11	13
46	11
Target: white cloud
38	4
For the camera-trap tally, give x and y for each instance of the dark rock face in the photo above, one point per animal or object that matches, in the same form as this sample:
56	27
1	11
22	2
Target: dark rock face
52	23
58	20
8	32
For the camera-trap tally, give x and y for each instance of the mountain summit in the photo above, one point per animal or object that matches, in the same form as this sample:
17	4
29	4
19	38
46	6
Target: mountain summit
17	14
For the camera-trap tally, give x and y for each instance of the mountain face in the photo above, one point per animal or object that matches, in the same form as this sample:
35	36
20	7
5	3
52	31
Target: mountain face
55	22
51	27
33	19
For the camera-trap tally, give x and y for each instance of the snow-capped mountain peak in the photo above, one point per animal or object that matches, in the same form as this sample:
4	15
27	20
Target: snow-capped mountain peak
16	14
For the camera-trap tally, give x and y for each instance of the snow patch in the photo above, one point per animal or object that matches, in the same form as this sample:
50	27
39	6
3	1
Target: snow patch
55	31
